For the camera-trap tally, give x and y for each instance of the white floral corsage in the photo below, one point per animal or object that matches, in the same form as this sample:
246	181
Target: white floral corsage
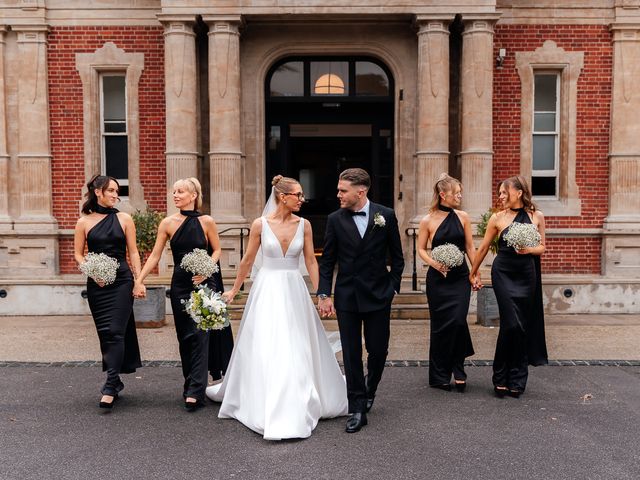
378	220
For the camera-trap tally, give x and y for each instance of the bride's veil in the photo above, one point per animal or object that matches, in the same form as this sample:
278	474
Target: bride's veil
268	209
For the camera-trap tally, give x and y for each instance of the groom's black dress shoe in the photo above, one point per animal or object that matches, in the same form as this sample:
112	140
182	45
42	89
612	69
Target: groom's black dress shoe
369	403
356	422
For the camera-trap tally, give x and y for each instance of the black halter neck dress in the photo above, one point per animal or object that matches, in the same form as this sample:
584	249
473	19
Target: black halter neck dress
448	298
112	305
516	281
199	351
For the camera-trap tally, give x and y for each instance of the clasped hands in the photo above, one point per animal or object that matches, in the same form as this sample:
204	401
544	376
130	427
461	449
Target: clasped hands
325	307
476	281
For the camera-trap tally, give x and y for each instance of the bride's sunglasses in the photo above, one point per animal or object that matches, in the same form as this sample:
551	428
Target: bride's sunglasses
300	195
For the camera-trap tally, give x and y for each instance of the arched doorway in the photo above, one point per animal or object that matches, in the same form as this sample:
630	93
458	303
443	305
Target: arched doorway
326	114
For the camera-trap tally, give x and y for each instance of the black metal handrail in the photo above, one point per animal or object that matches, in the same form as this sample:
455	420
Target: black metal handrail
242	231
412	232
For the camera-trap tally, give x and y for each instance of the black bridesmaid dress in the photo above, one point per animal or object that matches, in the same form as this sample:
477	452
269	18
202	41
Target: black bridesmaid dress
112	305
197	348
448	299
516	281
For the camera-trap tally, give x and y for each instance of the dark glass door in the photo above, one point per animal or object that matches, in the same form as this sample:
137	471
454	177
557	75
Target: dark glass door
313	139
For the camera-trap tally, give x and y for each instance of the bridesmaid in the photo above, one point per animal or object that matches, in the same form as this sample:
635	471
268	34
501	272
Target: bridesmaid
106	230
515	276
448	291
185	231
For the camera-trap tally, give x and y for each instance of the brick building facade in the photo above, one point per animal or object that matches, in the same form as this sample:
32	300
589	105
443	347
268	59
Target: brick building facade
469	91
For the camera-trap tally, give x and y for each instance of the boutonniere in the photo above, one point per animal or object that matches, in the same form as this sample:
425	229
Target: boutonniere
378	220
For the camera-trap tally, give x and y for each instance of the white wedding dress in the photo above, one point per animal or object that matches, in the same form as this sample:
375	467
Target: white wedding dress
283	375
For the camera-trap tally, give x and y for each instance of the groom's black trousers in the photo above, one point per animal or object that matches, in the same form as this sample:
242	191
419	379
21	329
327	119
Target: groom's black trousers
376	338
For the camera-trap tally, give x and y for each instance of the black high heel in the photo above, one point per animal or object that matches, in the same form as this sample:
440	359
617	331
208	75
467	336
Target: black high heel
500	391
515	393
108	404
193	406
460	386
446	387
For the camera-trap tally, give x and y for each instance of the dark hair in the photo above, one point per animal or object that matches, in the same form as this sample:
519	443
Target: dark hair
357	176
445	183
98	182
520	183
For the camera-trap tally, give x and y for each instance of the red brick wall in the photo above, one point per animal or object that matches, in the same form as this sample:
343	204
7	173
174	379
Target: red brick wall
66	117
564	255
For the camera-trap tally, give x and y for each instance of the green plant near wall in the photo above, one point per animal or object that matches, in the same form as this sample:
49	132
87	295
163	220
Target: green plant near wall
146	223
482	229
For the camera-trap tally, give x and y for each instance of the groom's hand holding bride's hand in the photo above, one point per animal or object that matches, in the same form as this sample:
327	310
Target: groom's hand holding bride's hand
325	307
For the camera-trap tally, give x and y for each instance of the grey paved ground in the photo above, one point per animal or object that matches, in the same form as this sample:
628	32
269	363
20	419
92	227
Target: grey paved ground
573	423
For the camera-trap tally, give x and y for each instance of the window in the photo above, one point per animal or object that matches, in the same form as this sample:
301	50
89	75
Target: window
113	121
317	78
329	78
288	80
371	80
545	142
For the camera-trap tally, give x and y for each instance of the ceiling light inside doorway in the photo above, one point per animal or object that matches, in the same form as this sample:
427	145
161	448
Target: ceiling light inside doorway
329	84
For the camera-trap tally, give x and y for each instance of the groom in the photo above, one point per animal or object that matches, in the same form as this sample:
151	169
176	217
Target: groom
359	237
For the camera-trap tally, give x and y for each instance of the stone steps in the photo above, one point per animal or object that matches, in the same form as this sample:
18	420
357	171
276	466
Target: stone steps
405	306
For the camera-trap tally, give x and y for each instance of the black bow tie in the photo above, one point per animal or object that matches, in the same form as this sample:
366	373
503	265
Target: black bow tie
353	214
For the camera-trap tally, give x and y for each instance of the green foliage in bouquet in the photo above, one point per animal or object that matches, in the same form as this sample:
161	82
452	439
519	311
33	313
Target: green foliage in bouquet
146	223
482	229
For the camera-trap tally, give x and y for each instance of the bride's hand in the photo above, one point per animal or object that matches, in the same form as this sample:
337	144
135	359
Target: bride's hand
198	279
227	297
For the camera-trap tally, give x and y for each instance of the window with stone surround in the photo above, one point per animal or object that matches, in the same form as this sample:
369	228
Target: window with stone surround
110	78
550	75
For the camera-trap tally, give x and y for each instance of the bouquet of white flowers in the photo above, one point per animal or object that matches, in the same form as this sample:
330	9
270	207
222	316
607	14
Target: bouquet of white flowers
207	309
448	255
521	235
199	262
100	267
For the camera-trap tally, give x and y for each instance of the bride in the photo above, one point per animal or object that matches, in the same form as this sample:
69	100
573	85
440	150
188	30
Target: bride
283	375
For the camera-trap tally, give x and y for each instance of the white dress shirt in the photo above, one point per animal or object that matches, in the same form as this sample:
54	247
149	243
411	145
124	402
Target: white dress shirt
362	220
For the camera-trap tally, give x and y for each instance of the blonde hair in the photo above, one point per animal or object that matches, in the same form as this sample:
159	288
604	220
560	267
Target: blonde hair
283	185
192	185
445	183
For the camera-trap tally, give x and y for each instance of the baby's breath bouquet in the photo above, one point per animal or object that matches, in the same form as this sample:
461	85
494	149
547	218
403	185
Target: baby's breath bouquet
100	267
207	309
448	255
522	235
199	262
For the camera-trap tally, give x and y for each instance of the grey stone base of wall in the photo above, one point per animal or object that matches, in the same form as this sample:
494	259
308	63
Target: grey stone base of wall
563	294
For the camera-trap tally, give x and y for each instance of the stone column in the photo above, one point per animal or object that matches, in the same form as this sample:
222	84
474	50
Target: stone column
225	156
432	136
180	93
622	225
5	220
476	154
34	155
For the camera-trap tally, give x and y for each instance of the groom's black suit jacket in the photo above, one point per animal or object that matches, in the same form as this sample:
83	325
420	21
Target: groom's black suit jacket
363	283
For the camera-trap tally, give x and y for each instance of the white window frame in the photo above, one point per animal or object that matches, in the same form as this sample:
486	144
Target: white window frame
555	172
124	182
